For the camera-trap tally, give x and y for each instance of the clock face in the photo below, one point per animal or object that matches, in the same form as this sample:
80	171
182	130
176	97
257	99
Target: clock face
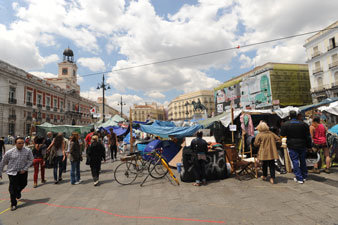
64	71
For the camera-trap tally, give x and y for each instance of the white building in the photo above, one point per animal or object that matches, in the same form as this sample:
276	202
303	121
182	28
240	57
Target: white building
322	58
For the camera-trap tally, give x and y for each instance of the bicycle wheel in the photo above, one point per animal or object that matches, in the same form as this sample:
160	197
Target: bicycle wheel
156	169
125	173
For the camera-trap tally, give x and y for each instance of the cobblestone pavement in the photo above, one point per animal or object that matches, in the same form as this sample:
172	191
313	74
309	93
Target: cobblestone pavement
228	201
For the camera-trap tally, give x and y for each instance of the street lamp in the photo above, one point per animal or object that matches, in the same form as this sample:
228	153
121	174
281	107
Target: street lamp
121	103
104	87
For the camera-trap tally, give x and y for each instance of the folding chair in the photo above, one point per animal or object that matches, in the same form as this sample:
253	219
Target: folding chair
244	167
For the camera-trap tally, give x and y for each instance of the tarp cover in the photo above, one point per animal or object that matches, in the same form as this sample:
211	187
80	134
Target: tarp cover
165	132
170	149
324	102
117	130
114	121
160	123
332	108
127	138
67	129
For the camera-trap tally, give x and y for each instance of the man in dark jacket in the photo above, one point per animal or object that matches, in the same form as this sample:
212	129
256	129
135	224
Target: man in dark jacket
200	148
298	140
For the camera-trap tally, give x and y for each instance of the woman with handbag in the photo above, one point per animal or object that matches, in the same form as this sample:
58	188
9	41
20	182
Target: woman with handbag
57	148
75	157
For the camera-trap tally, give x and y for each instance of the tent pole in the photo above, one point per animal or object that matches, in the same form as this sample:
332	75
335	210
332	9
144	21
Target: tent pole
232	122
131	131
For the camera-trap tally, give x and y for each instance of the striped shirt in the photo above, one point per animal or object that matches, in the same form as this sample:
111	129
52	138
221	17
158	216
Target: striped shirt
16	160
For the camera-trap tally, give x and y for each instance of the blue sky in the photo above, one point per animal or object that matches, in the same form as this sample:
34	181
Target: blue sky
107	35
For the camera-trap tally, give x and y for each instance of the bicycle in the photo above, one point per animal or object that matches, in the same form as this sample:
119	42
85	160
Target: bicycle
159	168
134	164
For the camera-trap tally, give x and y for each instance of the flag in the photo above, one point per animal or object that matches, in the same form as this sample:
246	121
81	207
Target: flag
93	110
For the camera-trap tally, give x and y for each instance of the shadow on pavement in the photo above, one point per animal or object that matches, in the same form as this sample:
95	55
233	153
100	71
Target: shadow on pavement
28	202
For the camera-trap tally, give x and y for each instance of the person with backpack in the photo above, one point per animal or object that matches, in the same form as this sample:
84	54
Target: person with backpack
200	148
75	157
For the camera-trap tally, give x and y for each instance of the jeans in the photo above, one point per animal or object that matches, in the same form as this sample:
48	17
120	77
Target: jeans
271	165
36	163
199	170
74	172
299	164
16	184
58	164
113	151
64	165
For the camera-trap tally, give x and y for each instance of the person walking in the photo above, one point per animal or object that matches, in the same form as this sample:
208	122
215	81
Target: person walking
38	160
318	135
75	157
18	160
298	140
113	145
57	155
267	153
96	154
200	148
2	147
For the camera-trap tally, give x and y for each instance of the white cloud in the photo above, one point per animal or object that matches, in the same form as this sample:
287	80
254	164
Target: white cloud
44	75
246	61
95	64
155	94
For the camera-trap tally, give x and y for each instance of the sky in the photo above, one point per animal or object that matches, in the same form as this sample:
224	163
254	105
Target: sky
109	35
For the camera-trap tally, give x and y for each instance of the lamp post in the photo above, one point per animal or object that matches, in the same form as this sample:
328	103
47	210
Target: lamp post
121	103
104	87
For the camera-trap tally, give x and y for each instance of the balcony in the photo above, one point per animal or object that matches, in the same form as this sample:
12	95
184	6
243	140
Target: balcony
11	100
330	47
317	70
12	117
315	54
55	109
333	65
48	107
48	119
30	104
55	120
39	106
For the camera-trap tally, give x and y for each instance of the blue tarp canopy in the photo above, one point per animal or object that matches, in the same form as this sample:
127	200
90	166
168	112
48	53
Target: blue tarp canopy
334	129
117	130
324	102
170	149
127	138
160	123
165	132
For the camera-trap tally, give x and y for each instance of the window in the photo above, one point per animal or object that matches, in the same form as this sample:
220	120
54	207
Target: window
74	73
64	71
48	101
317	65
68	106
39	99
28	129
12	92
55	103
320	81
336	76
332	43
61	105
29	96
11	129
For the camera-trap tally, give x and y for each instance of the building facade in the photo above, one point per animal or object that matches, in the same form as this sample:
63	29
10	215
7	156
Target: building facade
181	108
26	100
322	59
148	111
267	86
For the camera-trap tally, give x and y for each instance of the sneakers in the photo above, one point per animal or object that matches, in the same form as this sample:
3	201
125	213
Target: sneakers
56	182
298	181
13	208
35	185
43	181
96	183
80	181
317	171
327	171
76	183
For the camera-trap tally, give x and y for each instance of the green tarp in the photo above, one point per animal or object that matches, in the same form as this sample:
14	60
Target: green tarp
111	122
42	129
207	122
